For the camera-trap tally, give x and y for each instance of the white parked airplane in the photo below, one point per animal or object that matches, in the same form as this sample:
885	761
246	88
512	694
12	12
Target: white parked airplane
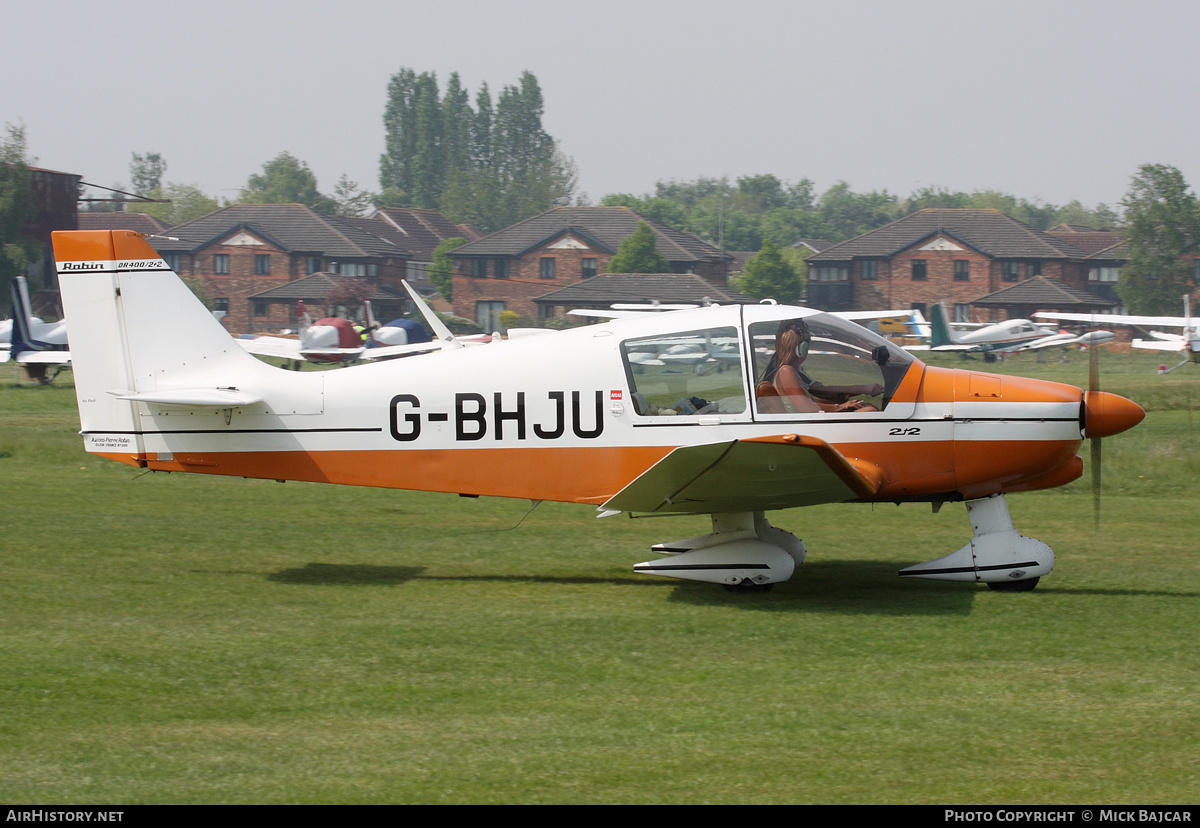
35	345
1186	342
1008	337
564	416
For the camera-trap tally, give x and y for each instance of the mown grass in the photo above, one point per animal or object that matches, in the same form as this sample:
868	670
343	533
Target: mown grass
184	639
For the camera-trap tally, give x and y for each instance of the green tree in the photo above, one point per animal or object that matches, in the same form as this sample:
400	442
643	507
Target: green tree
442	272
1162	222
146	172
768	275
349	200
286	179
489	166
16	209
178	203
637	254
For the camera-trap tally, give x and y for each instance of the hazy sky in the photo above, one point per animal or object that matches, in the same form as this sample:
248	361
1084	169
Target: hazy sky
1045	99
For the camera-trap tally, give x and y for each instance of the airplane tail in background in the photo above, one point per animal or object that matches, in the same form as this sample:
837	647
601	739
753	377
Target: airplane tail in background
137	334
941	334
22	338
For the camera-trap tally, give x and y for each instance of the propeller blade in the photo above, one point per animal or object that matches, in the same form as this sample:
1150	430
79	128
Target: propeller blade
1096	459
1093	386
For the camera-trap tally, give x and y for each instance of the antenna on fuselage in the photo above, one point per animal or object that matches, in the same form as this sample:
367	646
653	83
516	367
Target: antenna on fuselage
440	331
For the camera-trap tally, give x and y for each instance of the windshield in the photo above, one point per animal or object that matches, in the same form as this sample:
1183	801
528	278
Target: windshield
823	363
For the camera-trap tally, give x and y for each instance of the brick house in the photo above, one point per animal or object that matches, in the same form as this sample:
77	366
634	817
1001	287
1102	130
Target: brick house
246	249
511	268
954	256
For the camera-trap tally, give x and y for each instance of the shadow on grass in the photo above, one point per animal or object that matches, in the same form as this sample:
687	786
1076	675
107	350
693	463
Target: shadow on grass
847	587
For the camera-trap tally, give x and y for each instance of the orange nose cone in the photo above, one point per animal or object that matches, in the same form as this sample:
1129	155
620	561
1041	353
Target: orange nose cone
1108	414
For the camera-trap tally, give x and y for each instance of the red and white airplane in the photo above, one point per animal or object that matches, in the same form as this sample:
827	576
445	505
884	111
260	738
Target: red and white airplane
332	339
572	416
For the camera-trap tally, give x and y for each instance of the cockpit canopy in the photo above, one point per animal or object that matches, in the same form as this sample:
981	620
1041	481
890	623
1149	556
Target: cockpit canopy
718	369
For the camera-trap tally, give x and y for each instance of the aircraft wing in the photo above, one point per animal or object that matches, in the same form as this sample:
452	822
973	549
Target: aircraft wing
1115	319
1054	340
748	475
393	351
272	346
1160	344
39	357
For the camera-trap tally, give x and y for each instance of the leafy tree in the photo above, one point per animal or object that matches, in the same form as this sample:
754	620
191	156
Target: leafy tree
491	166
1162	222
638	255
16	209
348	292
442	272
146	172
285	179
349	200
178	203
768	275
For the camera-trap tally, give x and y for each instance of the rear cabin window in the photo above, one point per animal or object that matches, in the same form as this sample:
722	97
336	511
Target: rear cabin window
686	374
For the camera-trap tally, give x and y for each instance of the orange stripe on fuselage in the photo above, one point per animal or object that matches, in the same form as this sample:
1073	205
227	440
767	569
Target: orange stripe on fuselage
593	474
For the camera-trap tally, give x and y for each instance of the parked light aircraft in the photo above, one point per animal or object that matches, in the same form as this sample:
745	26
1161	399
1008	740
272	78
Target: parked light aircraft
1006	337
327	340
35	345
1186	342
565	417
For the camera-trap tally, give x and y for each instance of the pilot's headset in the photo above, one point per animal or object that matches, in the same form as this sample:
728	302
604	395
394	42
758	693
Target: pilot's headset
800	328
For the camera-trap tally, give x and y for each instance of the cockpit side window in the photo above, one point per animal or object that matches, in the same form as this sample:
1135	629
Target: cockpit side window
822	363
686	374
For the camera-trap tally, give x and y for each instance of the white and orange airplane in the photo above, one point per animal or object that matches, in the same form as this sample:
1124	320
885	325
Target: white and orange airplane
574	416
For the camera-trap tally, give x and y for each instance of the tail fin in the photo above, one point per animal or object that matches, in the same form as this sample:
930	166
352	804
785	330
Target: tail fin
22	338
940	331
135	329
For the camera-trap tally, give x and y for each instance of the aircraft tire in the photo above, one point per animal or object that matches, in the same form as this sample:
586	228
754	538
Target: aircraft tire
1014	586
747	586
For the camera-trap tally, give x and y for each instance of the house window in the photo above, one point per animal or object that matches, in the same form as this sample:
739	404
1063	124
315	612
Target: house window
480	268
221	303
1033	269
314	265
501	268
221	264
870	271
262	309
1012	271
262	264
962	270
547	267
588	267
962	313
173	260
832	274
352	269
1104	274
919	270
487	315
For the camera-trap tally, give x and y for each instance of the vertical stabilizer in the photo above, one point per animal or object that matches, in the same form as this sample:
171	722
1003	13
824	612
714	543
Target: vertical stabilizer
135	327
941	334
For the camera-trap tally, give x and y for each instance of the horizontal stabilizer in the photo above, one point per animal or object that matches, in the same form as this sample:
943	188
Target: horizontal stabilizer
193	397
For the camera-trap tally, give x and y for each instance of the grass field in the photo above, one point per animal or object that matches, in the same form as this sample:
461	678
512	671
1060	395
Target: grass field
183	639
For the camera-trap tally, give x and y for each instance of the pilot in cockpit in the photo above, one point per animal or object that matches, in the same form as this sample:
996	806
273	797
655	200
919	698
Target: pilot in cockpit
785	372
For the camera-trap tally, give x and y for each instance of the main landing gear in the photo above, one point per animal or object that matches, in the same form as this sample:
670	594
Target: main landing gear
745	553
